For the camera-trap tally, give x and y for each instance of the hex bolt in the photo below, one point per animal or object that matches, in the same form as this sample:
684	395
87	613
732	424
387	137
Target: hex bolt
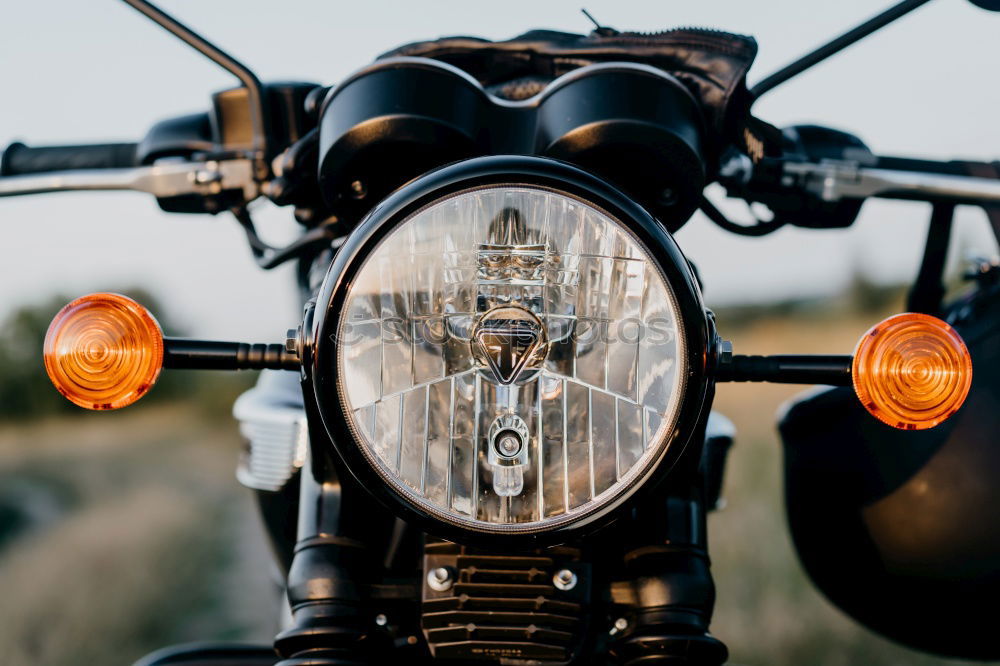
564	580
292	341
724	352
207	176
621	624
440	579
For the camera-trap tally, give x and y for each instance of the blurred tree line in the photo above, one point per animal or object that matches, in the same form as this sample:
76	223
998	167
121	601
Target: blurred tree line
27	393
861	295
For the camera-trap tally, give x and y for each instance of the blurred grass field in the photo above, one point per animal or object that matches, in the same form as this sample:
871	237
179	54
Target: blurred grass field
146	540
139	535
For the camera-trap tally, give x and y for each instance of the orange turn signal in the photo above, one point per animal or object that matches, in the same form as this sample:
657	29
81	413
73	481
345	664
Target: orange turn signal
912	371
103	351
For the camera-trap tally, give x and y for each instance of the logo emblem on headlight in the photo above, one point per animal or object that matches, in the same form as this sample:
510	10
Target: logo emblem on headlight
509	340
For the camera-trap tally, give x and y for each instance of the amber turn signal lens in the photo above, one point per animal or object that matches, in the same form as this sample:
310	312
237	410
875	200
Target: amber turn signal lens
103	351
912	371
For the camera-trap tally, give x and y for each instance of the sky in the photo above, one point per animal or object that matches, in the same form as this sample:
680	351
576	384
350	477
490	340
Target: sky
78	72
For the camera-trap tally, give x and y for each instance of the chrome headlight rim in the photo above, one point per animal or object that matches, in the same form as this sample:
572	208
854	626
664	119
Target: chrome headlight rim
502	171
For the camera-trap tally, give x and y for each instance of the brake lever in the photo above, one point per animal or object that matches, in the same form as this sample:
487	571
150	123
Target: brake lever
835	180
165	180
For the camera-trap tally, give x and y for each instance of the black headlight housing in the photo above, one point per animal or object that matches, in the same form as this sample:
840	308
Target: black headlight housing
326	373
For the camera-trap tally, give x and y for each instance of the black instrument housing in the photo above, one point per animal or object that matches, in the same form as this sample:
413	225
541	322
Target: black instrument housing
634	125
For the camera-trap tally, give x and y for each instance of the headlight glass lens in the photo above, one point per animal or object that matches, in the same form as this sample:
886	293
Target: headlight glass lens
509	359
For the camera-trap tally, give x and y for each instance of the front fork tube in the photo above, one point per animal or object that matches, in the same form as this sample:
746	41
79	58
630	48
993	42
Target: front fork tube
670	590
331	568
665	588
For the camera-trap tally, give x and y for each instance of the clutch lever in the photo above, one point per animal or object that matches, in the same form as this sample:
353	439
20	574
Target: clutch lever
834	180
166	180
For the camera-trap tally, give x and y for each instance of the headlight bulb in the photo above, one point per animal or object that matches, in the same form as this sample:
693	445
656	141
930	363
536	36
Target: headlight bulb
508	454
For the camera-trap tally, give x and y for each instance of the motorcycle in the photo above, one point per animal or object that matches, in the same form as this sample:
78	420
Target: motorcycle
490	437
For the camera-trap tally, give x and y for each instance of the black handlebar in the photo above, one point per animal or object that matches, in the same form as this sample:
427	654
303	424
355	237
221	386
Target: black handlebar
19	159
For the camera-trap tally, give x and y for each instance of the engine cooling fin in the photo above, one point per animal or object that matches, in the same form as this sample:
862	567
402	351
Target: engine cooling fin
504	607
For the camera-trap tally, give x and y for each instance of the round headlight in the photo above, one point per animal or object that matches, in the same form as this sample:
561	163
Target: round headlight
508	357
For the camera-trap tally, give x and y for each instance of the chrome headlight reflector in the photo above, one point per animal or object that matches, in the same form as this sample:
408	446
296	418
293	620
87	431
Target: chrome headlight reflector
508	358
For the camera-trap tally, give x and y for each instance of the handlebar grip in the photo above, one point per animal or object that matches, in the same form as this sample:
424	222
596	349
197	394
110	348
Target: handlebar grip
20	159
